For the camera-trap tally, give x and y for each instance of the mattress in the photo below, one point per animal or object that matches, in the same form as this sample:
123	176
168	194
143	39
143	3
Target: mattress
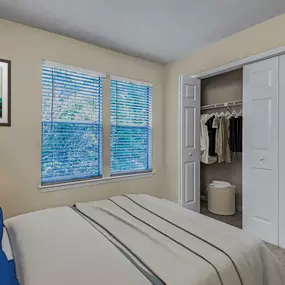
136	239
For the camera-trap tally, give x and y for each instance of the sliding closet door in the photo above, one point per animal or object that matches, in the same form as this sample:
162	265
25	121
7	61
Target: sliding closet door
189	143
282	151
260	162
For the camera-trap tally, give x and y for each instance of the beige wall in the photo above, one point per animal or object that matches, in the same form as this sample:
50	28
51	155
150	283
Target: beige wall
220	89
20	145
265	36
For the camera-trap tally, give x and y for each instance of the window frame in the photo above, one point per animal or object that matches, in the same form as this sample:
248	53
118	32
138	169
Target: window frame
146	84
106	125
79	74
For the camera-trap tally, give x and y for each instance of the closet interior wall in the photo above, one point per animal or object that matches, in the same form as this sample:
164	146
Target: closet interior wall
220	89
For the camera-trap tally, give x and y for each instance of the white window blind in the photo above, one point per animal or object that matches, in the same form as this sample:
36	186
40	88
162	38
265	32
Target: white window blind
131	127
71	124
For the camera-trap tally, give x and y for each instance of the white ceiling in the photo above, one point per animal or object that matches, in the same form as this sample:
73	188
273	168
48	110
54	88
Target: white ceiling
157	30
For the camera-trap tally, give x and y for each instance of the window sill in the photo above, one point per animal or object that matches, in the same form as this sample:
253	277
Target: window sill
91	182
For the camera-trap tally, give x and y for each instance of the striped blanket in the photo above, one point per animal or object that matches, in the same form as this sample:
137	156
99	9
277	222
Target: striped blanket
176	246
136	239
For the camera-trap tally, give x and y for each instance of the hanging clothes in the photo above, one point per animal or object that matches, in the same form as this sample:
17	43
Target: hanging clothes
220	141
204	141
233	139
216	124
226	153
212	136
220	136
236	134
239	148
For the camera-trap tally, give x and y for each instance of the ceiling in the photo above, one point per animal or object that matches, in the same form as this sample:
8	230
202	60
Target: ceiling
157	30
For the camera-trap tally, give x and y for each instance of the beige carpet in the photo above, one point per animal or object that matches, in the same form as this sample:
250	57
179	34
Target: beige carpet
236	221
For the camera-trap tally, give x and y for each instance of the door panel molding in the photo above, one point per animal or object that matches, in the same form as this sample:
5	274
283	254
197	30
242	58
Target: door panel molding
189	143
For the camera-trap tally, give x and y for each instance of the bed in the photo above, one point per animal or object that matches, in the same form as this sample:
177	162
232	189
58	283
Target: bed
136	239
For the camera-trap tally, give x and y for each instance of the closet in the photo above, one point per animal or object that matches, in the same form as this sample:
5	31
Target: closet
221	99
257	169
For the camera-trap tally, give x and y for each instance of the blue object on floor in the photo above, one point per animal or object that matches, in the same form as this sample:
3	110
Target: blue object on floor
12	266
1	227
7	267
5	272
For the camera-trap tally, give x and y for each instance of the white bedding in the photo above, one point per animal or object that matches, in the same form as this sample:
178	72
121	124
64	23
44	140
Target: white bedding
58	246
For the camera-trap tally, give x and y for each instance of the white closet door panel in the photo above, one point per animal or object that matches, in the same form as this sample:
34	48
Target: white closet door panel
260	151
189	194
282	151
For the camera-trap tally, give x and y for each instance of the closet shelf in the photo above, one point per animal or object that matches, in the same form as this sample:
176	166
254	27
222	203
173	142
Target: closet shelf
222	105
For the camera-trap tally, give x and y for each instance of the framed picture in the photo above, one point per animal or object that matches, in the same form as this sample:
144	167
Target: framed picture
5	92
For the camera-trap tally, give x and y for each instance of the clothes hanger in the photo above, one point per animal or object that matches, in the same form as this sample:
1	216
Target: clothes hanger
227	114
234	113
239	114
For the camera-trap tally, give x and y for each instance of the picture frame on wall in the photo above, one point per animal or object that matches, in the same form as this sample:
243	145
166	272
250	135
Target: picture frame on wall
5	92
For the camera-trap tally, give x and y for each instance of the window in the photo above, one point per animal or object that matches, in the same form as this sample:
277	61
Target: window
71	124
131	130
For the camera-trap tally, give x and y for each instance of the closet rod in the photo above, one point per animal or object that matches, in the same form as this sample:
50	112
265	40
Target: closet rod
222	105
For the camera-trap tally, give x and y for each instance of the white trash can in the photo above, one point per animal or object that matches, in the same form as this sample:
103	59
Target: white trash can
221	200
